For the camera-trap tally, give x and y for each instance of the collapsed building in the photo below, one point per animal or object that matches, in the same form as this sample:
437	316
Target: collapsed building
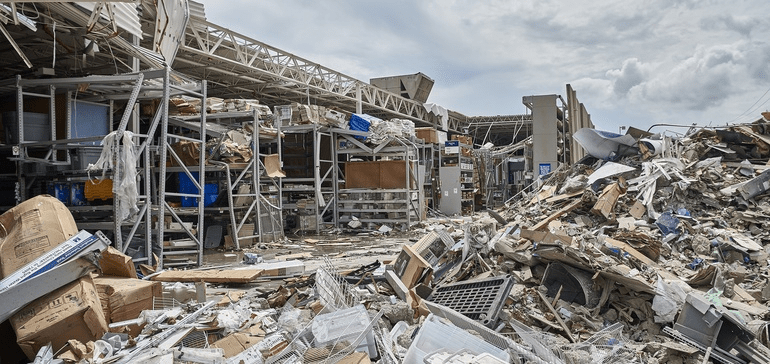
185	193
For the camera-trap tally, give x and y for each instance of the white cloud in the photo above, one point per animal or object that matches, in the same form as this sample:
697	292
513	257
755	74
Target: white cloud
700	81
631	63
631	74
743	25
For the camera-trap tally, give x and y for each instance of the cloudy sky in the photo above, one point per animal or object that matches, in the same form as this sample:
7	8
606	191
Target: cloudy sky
632	63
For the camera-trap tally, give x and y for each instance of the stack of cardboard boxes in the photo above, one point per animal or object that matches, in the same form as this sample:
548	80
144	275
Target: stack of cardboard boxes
430	135
466	144
31	229
79	310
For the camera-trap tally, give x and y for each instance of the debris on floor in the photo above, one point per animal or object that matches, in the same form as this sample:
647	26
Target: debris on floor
656	256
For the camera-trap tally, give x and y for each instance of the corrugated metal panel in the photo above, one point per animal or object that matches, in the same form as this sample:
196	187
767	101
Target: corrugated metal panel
169	27
80	16
155	60
125	14
127	17
197	11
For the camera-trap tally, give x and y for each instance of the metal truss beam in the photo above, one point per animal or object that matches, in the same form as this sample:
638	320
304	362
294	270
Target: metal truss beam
479	120
236	62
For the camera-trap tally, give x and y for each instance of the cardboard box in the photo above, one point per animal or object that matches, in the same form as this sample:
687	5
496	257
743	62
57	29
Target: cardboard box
428	135
70	312
115	263
246	230
463	139
32	228
356	358
410	266
125	298
377	174
188	152
236	343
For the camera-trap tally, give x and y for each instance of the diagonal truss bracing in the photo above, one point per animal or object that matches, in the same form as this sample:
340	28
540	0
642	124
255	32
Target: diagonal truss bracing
236	64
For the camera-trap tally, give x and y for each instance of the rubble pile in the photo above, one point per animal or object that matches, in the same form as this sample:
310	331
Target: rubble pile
658	256
645	239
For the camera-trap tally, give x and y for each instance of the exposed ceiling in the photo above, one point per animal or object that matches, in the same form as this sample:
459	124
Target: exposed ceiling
74	39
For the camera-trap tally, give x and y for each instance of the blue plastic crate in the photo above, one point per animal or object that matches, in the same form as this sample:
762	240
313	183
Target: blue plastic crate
187	186
77	194
60	190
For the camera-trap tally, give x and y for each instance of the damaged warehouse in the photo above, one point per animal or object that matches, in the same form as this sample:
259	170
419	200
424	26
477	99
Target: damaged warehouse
172	195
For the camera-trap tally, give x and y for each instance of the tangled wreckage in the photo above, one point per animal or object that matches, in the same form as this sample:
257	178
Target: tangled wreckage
657	256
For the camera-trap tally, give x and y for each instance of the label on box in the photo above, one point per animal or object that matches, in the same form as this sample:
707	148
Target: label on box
545	168
52	258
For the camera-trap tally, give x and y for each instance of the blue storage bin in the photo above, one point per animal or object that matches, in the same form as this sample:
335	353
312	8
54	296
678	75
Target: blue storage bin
77	194
211	191
60	190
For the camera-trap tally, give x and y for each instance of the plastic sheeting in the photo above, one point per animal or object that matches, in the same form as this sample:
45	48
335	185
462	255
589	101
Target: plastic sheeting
120	157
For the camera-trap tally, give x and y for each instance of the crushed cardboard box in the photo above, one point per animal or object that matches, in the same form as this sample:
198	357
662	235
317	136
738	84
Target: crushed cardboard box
32	228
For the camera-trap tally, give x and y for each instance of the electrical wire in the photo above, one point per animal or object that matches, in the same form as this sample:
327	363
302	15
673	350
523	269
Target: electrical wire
749	110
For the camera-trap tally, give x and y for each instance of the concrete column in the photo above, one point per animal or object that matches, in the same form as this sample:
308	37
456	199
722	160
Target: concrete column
544	134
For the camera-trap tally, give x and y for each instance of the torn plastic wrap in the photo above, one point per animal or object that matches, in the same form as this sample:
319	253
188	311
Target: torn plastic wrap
120	157
669	298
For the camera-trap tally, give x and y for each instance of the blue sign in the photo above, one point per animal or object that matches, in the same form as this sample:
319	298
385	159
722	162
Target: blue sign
545	168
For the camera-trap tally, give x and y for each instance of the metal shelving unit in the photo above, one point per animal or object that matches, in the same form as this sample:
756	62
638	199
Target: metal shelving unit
429	173
403	205
456	172
250	192
51	160
307	191
171	251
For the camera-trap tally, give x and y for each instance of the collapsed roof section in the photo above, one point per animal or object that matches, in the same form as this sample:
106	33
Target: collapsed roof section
68	39
73	39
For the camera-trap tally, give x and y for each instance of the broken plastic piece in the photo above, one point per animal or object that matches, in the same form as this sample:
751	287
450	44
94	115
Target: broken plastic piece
710	326
480	300
755	186
697	262
437	333
252	258
344	325
667	223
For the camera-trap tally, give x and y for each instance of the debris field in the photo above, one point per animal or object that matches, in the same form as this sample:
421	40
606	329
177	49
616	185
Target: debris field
657	254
